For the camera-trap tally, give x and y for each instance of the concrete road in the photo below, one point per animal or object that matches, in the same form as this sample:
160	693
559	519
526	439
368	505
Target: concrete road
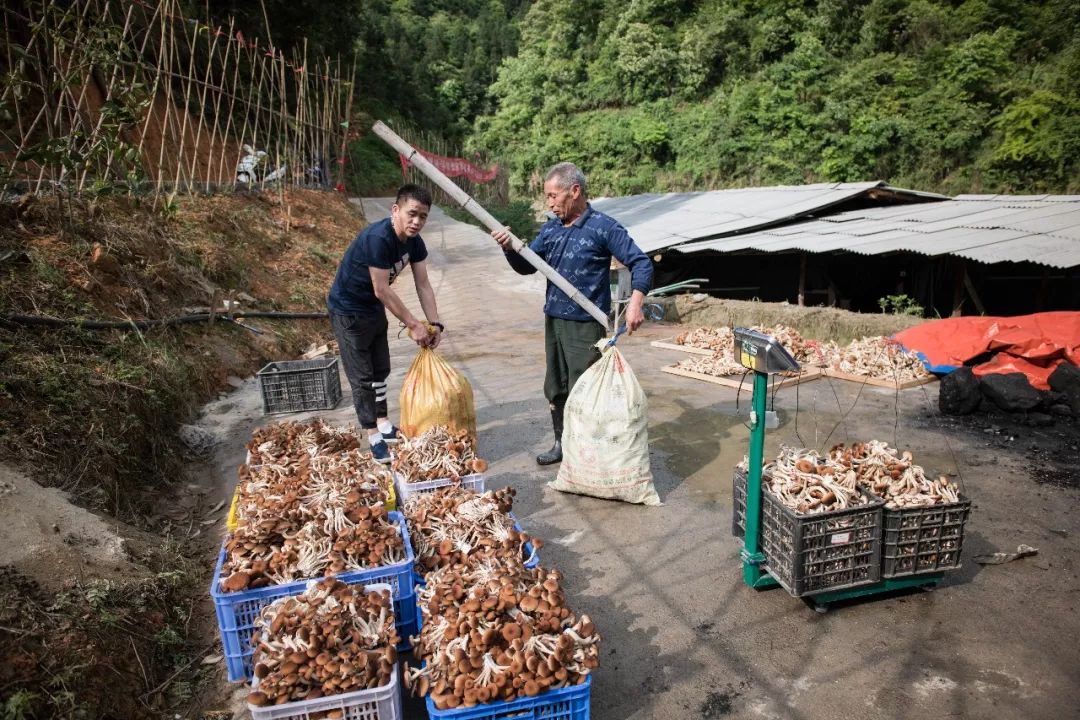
682	636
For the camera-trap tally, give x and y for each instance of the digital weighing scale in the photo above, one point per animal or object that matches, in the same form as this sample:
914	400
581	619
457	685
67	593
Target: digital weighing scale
765	356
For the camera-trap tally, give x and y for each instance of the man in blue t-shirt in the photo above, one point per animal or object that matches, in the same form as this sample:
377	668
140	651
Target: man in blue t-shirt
361	295
578	243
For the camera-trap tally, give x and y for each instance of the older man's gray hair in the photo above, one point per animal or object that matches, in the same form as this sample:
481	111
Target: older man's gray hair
568	174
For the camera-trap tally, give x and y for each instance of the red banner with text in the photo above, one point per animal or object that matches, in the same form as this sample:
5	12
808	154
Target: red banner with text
455	167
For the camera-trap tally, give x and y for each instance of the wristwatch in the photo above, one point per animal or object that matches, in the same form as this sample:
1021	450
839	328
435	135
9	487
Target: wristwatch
442	328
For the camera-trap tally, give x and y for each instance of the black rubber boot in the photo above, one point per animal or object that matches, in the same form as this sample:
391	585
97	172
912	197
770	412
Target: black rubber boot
553	455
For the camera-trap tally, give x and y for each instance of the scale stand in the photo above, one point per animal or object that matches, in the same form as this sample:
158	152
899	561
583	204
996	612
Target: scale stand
765	356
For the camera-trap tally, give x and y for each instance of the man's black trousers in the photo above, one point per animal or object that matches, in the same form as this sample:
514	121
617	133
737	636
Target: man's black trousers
365	354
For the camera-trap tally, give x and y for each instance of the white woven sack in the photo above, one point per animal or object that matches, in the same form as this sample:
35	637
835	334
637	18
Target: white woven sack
605	439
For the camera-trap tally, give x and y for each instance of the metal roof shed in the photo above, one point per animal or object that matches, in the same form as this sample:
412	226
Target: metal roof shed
660	221
1012	233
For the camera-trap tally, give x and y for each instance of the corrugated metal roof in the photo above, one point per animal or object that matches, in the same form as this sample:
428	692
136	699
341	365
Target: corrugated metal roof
1043	229
658	221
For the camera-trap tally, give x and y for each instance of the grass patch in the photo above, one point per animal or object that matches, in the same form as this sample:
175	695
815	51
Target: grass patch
67	653
819	323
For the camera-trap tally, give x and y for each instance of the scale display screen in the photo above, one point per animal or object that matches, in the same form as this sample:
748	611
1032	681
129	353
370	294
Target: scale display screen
762	353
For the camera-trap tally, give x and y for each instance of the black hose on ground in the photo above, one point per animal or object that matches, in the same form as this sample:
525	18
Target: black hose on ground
44	321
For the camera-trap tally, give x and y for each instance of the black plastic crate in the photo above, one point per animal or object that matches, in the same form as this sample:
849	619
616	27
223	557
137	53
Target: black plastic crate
926	539
738	503
299	385
811	554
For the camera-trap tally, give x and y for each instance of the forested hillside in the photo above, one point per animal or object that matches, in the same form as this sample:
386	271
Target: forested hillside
973	96
428	61
979	95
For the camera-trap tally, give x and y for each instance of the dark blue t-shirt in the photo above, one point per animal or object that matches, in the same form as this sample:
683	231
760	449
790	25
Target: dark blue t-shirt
376	246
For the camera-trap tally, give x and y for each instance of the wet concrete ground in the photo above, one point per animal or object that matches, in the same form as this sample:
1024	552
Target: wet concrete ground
683	637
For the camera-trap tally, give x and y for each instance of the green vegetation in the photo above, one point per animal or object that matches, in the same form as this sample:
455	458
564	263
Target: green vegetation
900	305
661	94
650	95
68	651
519	215
96	412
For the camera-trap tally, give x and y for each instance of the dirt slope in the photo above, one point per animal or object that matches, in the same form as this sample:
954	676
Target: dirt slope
100	527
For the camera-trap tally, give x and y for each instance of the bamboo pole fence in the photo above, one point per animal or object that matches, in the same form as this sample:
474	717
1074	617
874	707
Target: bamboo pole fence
136	96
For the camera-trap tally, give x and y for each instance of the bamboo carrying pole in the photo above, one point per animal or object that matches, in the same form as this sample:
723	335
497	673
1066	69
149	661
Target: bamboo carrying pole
468	203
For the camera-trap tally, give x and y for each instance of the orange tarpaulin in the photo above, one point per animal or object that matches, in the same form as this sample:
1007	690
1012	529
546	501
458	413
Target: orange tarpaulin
1030	344
1004	363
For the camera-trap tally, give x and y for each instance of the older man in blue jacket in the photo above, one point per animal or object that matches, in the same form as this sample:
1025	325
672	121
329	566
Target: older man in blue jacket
579	243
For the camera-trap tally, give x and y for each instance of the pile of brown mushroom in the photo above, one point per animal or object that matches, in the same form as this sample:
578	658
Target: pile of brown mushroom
313	504
879	357
808	483
496	631
492	629
721	341
333	638
792	340
894	476
719	365
437	454
274	550
287	442
325	514
453	525
323	480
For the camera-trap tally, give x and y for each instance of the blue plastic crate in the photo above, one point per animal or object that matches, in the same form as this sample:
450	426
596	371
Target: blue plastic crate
237	612
532	558
568	703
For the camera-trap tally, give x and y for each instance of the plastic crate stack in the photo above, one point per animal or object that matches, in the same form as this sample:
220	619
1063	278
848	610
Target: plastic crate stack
810	554
908	534
438	457
311	483
300	385
353	673
490	615
924	517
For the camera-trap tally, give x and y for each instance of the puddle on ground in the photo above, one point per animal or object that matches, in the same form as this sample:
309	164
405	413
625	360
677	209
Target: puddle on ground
702	445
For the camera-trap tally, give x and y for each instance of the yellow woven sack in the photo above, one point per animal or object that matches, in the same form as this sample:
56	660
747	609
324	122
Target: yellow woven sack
435	394
231	519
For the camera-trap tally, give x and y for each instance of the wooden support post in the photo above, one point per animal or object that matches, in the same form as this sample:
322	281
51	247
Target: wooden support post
973	294
215	301
226	138
1044	290
348	122
959	273
802	280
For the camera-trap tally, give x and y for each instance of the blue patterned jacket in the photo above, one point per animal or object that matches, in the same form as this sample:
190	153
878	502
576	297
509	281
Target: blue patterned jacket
582	254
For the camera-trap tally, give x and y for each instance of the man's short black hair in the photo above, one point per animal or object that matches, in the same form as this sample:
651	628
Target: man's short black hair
413	192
